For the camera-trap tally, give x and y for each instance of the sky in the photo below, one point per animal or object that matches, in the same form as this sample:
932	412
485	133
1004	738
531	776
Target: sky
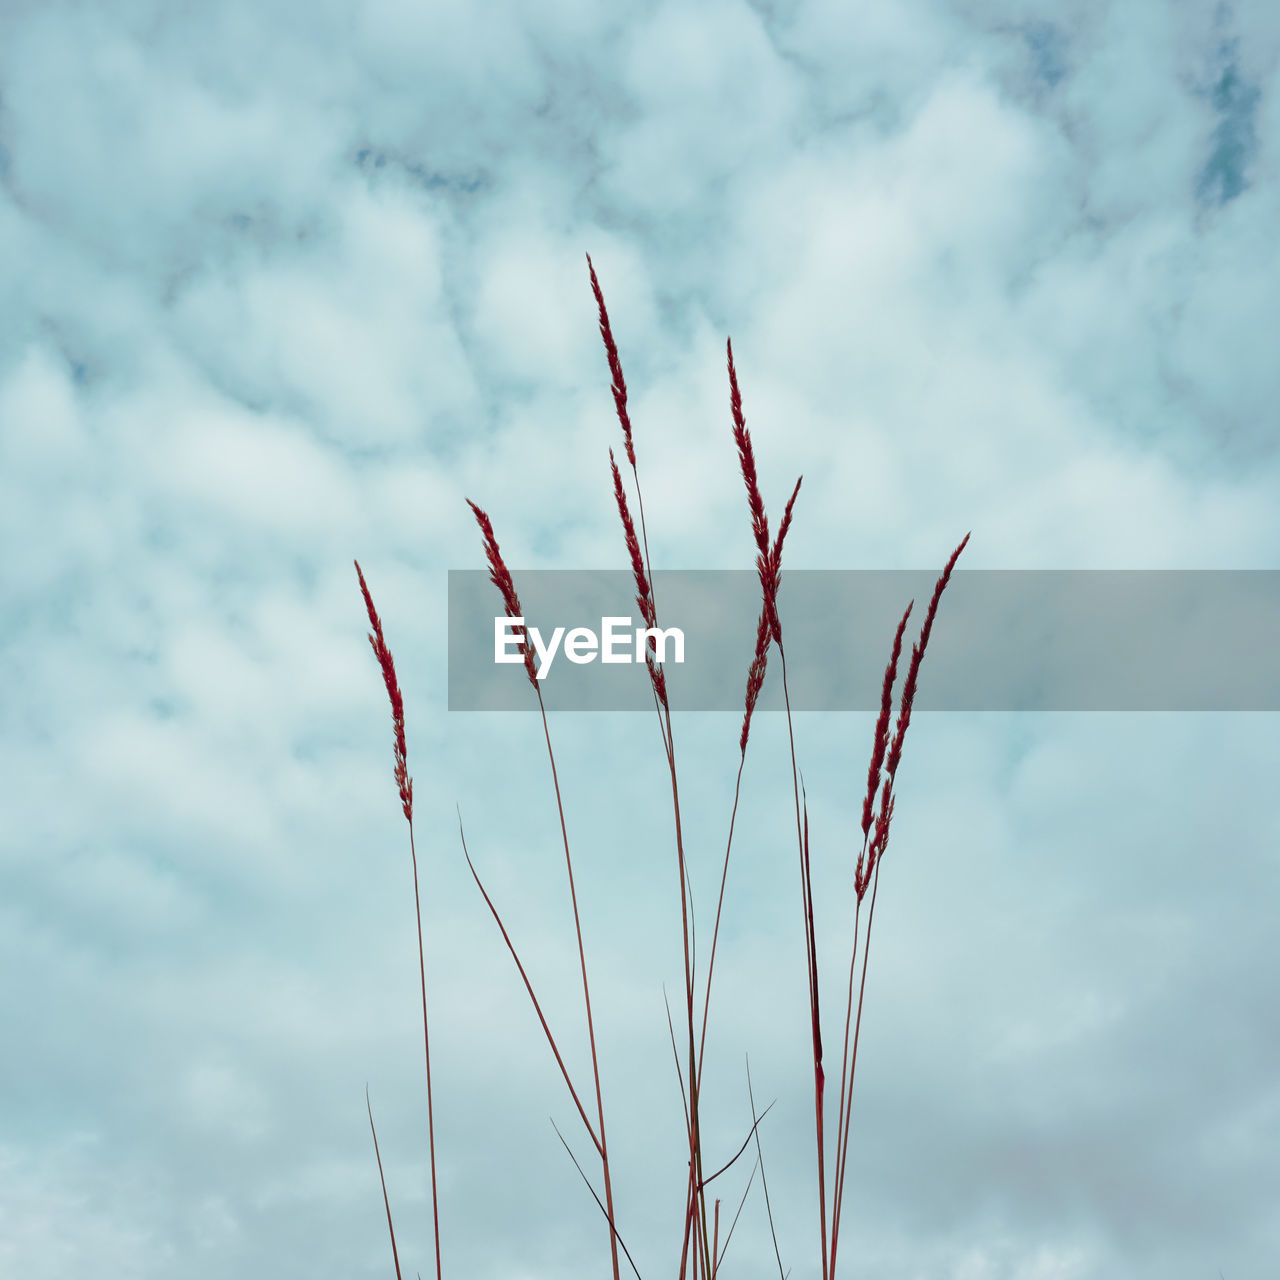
280	287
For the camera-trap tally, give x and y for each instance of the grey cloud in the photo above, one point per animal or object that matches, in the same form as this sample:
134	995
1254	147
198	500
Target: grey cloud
277	294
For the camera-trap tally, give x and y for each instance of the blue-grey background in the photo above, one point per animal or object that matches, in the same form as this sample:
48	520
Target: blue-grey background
281	284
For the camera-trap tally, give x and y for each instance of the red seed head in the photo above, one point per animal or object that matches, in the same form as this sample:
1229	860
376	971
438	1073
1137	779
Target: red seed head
775	564
917	654
768	628
862	876
615	365
880	838
755	676
644	593
768	559
500	576
881	740
383	654
658	679
747	460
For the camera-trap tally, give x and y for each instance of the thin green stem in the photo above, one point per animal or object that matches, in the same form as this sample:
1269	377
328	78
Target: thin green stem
426	1044
853	1062
812	960
586	995
395	1256
846	1089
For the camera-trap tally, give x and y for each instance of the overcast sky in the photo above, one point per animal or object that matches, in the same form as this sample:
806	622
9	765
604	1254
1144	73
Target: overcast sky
280	286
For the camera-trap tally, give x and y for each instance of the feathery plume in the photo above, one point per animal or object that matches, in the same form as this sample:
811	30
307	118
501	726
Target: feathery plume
917	654
500	576
383	654
882	725
615	365
747	459
644	592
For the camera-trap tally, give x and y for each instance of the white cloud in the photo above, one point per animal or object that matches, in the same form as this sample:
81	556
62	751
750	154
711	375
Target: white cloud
279	295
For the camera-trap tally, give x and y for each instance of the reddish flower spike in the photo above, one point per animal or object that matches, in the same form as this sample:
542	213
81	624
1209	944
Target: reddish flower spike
383	654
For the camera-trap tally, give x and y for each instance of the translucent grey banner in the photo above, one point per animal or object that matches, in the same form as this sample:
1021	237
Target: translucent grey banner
1003	640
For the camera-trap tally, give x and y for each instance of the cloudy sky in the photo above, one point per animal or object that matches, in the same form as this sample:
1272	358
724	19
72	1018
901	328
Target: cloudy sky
280	286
